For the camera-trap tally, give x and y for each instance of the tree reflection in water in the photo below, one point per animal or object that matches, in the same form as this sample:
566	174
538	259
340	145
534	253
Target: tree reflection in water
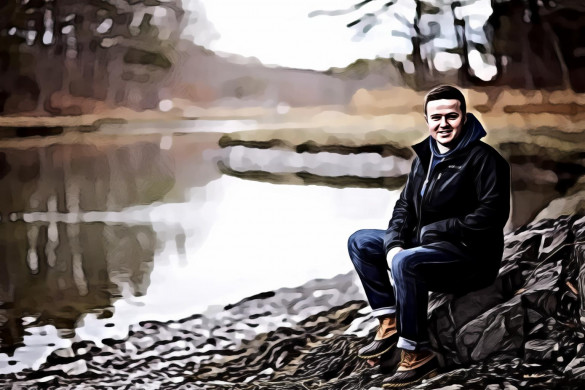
54	273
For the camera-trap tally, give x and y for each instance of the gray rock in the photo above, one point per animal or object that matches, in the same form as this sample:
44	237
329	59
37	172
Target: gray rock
533	317
576	367
499	329
528	289
539	350
509	386
579	256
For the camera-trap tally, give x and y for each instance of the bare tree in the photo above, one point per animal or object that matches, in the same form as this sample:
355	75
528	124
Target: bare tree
523	43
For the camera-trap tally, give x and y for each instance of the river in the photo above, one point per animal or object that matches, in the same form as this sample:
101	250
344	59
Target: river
101	231
156	221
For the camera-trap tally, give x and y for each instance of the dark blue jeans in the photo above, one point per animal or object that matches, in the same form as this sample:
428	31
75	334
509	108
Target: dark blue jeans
414	272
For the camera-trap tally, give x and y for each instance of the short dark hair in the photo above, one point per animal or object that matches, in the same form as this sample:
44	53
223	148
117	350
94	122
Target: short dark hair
446	92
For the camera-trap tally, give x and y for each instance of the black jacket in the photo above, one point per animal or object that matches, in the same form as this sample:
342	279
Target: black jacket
464	208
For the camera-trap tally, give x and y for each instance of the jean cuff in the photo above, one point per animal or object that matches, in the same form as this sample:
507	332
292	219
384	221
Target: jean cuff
412	345
384	311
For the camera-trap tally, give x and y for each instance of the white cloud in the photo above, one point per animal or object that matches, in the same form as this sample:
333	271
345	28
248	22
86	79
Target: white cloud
282	33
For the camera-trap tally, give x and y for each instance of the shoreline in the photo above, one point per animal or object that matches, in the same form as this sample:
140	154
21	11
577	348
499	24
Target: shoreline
307	336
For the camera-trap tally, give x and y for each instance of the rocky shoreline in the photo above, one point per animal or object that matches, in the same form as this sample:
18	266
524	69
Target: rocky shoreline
524	331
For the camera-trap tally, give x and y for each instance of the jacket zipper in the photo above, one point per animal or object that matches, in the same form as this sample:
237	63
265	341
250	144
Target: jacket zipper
430	185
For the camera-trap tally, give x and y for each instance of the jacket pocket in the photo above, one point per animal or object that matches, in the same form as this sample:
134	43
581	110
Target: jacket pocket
428	235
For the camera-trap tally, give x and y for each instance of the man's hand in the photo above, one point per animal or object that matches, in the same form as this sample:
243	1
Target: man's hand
391	253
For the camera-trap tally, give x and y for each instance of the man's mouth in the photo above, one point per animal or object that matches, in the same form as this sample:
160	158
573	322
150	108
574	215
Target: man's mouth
444	132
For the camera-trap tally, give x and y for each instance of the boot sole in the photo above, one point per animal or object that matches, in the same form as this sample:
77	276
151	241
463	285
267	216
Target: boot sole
429	375
379	353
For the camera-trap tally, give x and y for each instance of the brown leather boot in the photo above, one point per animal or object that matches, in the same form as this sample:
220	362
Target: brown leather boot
386	328
414	366
385	339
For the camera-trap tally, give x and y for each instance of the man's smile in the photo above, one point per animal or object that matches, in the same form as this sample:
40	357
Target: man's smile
445	133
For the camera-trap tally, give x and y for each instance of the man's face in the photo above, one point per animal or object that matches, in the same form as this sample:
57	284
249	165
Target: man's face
445	120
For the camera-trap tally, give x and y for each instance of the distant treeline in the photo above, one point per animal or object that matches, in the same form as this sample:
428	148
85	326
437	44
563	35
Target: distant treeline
69	57
63	57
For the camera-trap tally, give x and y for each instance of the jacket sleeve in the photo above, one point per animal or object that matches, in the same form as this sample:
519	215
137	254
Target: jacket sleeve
401	225
492	183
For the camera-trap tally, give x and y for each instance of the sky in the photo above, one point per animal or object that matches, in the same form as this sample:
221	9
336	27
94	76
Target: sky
314	34
281	32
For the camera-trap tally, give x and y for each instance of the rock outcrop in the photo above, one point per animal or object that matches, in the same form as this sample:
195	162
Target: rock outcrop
524	331
536	284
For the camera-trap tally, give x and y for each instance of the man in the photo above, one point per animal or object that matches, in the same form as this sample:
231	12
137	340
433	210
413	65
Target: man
446	234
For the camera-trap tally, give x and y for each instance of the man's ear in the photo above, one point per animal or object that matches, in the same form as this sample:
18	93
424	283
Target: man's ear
426	118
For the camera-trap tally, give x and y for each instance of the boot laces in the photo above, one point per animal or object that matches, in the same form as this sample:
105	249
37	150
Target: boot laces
385	328
382	331
408	359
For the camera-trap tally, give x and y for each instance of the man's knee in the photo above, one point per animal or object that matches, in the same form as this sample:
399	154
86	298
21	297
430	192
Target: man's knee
401	264
357	241
365	241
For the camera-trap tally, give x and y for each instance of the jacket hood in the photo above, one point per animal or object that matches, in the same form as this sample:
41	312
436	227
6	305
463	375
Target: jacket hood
472	131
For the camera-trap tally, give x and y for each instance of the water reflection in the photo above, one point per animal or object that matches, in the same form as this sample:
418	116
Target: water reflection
539	174
73	177
102	232
327	168
55	273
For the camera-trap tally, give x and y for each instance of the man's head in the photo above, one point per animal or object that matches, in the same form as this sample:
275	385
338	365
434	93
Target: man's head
445	111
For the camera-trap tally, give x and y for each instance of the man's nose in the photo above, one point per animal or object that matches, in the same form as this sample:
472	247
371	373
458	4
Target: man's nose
444	122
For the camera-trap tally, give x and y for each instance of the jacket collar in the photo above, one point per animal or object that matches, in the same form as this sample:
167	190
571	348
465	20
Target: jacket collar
423	150
424	153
